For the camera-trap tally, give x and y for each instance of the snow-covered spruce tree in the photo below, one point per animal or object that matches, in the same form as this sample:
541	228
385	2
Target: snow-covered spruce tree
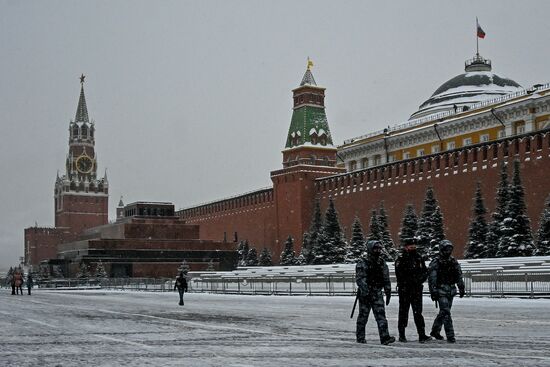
358	246
315	231
332	246
100	270
543	234
184	266
210	266
252	257
240	255
374	227
409	224
244	253
265	258
438	233
516	238
390	252
425	232
498	215
307	256
477	234
288	255
83	272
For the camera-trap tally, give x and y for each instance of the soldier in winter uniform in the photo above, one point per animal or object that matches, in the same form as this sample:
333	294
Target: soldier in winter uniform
444	275
372	277
411	273
181	285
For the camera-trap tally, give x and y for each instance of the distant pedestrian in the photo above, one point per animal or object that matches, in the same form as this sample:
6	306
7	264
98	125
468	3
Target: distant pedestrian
181	285
11	280
18	280
30	283
444	275
411	273
373	279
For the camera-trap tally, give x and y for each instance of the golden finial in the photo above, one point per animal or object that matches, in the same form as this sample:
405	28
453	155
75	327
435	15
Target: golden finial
309	63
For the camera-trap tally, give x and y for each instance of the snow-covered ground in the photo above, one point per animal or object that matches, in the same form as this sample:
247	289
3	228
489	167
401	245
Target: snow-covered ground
108	328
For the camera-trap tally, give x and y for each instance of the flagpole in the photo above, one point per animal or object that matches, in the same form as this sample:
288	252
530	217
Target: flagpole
477	38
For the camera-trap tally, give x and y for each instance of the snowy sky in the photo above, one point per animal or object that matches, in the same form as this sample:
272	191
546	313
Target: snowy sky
192	100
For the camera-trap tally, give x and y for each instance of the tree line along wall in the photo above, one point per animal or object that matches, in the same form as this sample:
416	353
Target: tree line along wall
453	175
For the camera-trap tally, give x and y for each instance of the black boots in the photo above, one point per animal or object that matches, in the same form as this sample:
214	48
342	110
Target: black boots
388	340
424	338
436	335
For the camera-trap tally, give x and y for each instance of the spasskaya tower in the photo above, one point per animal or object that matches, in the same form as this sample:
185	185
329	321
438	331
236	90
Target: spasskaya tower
81	197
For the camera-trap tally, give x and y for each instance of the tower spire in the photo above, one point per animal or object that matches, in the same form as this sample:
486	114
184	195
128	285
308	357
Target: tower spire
308	78
82	110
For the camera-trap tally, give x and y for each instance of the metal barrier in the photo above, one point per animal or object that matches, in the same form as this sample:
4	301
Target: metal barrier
498	283
135	284
485	284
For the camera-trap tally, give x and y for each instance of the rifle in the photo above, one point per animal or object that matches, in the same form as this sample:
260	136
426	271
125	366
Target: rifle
354	305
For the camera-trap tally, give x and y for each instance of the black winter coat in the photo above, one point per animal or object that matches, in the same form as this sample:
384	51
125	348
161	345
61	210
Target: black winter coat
410	271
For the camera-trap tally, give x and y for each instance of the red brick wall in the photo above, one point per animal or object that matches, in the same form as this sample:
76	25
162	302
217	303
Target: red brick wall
80	212
454	188
354	194
41	243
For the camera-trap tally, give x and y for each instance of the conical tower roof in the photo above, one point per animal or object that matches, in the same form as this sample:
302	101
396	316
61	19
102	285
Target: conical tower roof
309	124
81	110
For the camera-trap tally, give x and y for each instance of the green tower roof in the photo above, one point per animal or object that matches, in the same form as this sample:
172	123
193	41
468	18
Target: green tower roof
309	124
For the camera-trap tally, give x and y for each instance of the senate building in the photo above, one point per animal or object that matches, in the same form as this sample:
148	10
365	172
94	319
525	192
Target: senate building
463	134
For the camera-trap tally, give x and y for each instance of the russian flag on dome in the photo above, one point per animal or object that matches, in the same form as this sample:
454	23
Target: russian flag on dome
480	32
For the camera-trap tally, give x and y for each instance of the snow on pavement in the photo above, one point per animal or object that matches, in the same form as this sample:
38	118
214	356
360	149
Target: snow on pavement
109	328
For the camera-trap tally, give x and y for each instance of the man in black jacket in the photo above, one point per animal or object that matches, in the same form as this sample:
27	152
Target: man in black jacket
373	278
411	273
445	274
181	285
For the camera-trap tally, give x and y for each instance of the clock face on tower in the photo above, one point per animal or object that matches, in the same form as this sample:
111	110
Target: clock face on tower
84	164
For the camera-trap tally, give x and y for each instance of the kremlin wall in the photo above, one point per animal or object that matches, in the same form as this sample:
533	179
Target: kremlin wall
469	142
463	134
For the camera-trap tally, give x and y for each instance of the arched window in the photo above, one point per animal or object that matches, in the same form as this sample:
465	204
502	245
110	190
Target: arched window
75	131
84	131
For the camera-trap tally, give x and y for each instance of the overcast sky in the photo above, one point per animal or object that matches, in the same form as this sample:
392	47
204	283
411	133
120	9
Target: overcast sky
192	99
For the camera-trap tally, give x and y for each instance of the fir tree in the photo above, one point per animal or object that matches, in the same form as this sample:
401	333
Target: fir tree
210	266
252	257
409	225
332	247
244	253
184	267
288	255
100	270
516	238
543	234
265	258
477	235
307	255
83	272
374	227
358	246
502	199
315	232
425	231
390	252
438	232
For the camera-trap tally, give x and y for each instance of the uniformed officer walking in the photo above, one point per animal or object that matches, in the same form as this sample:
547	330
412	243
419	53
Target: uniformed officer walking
411	273
372	277
444	274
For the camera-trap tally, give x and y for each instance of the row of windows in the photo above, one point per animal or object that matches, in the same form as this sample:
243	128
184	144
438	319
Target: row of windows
309	98
83	132
445	160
